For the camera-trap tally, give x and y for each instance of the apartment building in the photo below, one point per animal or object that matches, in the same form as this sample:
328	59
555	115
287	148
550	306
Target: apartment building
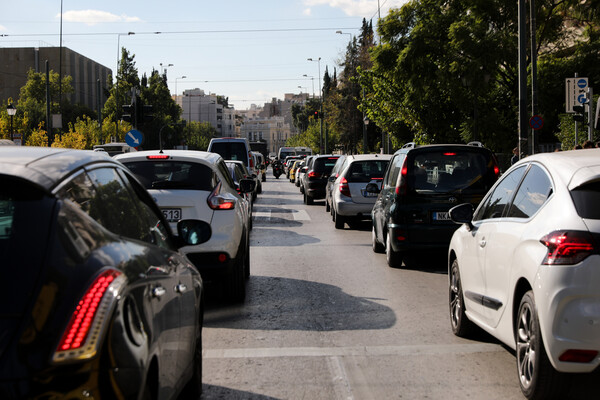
202	107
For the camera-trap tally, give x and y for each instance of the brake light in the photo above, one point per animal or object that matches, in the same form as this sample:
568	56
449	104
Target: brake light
344	188
158	157
567	247
81	336
579	356
313	174
449	154
218	201
401	187
251	160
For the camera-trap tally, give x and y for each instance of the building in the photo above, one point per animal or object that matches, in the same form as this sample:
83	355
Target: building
258	127
201	107
15	63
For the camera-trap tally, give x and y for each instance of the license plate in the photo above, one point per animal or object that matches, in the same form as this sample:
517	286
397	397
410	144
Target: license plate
369	194
441	216
172	214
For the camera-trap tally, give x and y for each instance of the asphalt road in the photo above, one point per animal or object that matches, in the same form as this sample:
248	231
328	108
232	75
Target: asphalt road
326	318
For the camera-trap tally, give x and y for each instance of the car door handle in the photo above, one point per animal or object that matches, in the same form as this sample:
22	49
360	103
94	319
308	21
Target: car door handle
158	291
482	243
180	288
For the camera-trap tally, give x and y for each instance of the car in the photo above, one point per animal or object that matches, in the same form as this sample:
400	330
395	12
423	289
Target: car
257	171
231	148
289	162
316	177
238	171
262	166
302	174
293	168
335	172
76	225
524	267
197	184
298	173
419	187
350	200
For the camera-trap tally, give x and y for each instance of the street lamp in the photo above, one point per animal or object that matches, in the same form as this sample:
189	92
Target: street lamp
179	77
318	60
312	78
164	69
11	110
365	125
344	33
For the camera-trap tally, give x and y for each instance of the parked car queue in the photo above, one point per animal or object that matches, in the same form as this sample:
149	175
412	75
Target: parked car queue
524	264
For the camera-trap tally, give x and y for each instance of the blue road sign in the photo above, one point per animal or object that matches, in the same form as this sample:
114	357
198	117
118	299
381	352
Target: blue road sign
134	138
582	83
582	99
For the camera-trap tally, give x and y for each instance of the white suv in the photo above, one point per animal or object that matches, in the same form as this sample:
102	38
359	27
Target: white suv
197	185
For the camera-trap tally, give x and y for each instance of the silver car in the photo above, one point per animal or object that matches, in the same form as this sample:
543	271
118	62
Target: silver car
350	199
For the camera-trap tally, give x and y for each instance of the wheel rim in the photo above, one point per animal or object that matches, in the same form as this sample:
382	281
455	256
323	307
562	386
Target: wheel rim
526	351
455	298
388	248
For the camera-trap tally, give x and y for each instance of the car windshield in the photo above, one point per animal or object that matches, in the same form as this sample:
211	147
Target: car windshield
172	174
230	150
324	164
366	171
451	170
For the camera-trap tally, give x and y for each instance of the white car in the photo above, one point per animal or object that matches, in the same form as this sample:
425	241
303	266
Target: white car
525	267
350	200
197	185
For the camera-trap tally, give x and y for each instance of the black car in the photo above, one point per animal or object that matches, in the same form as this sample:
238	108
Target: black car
315	178
420	186
98	301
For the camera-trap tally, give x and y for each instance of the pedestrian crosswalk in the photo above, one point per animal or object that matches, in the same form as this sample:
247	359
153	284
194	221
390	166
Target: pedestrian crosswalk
266	215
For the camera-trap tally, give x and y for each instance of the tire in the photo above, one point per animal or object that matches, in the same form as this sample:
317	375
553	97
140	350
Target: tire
394	258
461	325
193	389
327	206
339	220
236	281
259	190
377	247
309	200
247	261
537	378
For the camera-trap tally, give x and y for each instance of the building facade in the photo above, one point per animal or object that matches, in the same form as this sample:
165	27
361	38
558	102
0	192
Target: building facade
15	63
201	107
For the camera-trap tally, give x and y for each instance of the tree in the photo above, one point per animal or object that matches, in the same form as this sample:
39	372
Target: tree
197	135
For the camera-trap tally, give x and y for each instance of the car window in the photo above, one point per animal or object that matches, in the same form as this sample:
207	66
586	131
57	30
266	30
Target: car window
225	172
173	174
103	195
586	199
532	194
230	150
365	171
450	169
324	164
494	204
394	170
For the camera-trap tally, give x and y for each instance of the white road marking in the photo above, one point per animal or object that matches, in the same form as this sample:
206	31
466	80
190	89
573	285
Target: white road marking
341	384
300	215
364	351
261	214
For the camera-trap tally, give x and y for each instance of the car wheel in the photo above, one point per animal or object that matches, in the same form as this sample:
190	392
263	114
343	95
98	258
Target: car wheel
327	206
377	247
461	325
236	283
193	389
247	261
537	378
394	258
339	220
259	191
309	200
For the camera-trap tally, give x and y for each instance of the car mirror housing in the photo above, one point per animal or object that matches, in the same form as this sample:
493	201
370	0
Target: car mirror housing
462	214
247	185
372	188
193	231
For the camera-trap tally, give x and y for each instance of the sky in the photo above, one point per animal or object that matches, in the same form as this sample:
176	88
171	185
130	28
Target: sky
248	51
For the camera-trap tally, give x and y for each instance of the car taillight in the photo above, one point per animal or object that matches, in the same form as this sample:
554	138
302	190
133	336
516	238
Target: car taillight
344	188
313	174
158	157
251	160
83	333
579	356
567	247
401	188
218	201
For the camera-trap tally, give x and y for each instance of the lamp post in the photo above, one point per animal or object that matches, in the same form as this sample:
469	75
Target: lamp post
179	77
365	125
312	79
164	69
318	60
11	110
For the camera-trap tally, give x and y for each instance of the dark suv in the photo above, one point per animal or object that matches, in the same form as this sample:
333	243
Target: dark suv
420	186
315	178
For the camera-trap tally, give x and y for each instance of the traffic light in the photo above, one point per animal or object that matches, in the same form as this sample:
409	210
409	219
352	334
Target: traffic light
147	115
579	116
129	114
317	115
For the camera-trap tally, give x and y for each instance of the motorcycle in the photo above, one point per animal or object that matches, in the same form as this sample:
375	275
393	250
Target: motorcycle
277	170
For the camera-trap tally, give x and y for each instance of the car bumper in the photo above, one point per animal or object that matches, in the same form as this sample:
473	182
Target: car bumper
351	209
568	303
316	190
421	236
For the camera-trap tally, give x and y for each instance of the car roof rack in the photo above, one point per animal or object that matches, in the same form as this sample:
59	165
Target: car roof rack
475	143
409	145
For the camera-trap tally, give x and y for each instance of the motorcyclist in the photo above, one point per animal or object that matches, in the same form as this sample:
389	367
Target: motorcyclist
277	168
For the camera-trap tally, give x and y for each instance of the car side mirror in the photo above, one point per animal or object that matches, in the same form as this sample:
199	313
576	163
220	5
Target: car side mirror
254	176
372	188
462	214
247	185
193	231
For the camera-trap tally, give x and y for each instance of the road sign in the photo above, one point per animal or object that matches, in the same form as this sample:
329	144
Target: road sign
134	138
575	92
536	122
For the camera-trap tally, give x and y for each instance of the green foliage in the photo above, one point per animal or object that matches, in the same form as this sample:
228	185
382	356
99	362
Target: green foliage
197	135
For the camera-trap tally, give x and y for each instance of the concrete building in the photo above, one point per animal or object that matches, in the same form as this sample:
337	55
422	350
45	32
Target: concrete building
201	107
274	130
16	62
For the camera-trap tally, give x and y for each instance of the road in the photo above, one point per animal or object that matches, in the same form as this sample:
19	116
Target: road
326	318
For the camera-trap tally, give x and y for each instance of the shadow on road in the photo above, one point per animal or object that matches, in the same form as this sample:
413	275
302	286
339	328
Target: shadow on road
275	237
274	303
219	392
